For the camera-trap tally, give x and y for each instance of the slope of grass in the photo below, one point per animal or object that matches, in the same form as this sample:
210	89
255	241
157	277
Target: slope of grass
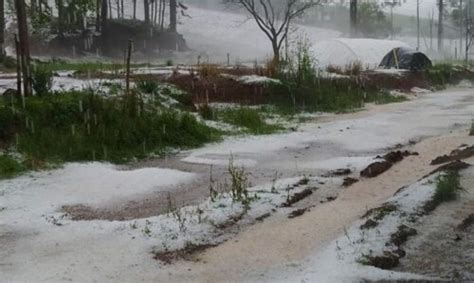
10	167
82	126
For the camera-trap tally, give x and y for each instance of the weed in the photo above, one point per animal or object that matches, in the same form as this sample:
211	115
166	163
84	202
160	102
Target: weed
147	86
249	119
239	184
208	70
42	80
448	187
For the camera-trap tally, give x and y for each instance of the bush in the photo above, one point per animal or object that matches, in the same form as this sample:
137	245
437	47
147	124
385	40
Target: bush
9	167
147	86
448	187
42	79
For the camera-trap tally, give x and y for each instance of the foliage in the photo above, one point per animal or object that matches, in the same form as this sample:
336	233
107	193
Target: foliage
448	187
42	79
147	86
372	21
82	126
249	119
9	167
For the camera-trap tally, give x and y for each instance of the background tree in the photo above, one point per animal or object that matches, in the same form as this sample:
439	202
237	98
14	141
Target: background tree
2	29
274	19
353	17
372	21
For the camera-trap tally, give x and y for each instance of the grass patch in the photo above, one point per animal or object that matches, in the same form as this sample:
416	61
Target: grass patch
10	167
83	126
250	119
448	187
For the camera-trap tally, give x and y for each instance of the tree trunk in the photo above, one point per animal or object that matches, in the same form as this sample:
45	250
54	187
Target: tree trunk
440	25
60	5
24	45
97	14
2	29
276	51
103	17
173	20
162	24
18	66
147	11
353	17
134	9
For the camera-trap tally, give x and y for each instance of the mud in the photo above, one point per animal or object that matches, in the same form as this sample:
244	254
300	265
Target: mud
457	154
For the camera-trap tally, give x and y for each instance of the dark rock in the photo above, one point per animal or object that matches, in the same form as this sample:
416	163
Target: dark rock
376	168
297	197
298	212
468	221
348	181
386	261
369	224
402	235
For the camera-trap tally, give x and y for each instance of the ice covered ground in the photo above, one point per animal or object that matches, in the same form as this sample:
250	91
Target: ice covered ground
347	141
41	244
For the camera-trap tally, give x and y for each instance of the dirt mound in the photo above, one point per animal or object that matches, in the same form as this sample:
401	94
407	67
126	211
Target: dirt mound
379	167
457	154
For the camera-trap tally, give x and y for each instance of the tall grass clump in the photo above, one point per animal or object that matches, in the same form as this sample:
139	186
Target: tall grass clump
448	187
83	126
42	79
250	119
305	90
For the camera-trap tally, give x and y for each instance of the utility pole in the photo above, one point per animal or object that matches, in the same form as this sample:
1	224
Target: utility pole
418	25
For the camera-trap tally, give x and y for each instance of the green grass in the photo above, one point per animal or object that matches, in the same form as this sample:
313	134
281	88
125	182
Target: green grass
10	167
448	187
250	119
82	126
384	97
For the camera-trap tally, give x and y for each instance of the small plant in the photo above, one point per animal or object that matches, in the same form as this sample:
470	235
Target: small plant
448	187
146	230
169	62
471	131
239	184
42	80
147	86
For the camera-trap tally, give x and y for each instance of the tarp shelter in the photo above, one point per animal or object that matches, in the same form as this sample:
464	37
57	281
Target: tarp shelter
405	58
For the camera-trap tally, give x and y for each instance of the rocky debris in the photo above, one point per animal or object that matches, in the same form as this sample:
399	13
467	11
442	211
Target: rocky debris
379	213
339	172
297	197
457	154
466	223
263	217
389	159
386	261
452	166
375	169
348	181
297	212
187	253
369	224
402	235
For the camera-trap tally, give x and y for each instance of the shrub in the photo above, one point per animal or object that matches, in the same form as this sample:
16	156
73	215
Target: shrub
147	86
448	187
208	70
9	167
42	79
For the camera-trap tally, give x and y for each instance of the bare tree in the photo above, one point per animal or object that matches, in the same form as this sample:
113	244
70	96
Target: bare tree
274	19
440	25
173	20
